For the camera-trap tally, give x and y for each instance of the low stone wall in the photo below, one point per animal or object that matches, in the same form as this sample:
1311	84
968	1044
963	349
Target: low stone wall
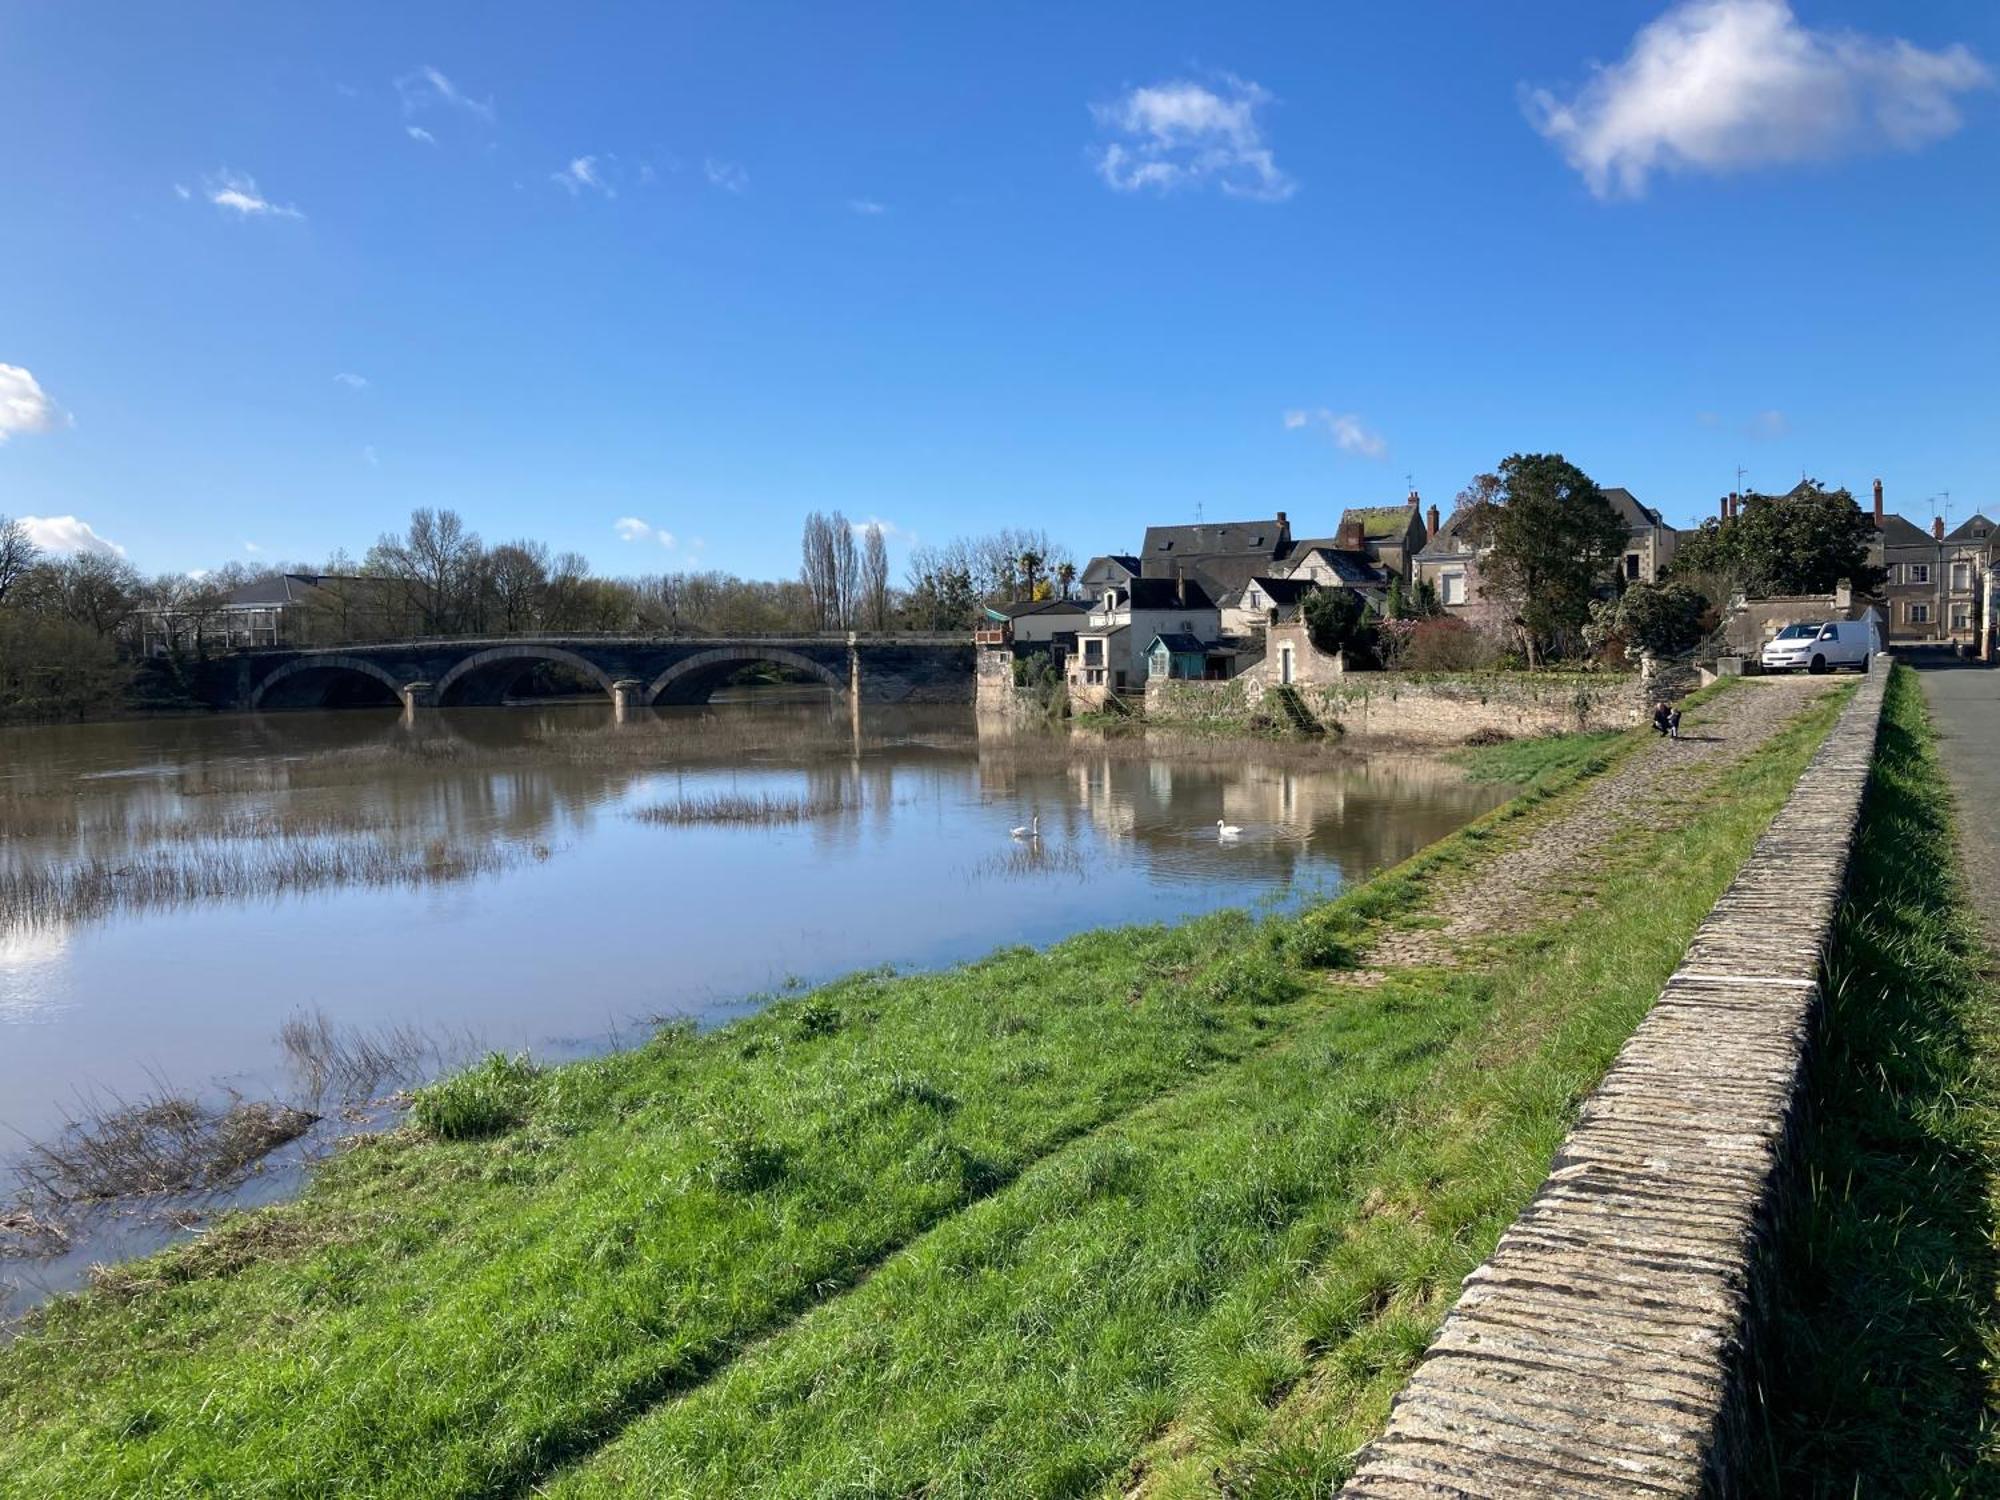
1407	709
1603	1349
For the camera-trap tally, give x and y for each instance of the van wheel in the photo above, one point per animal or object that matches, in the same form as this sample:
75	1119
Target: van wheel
1818	667
1863	665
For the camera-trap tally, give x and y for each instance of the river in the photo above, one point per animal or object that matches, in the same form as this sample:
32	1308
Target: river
554	880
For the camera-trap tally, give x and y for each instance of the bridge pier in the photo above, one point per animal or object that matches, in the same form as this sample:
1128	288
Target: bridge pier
419	695
627	695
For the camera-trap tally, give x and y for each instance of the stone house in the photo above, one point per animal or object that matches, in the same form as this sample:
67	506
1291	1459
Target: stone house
1940	584
1391	535
1221	556
1649	540
1113	642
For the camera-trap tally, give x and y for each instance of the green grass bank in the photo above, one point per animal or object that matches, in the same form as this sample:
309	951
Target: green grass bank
1884	1370
1156	1210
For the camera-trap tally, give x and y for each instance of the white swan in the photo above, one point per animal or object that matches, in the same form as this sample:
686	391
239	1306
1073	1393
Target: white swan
1226	830
1032	829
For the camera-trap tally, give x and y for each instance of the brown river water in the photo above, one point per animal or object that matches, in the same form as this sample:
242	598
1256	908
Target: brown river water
179	896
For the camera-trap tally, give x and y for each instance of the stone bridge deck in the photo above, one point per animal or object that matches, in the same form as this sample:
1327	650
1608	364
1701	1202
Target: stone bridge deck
631	670
1602	1349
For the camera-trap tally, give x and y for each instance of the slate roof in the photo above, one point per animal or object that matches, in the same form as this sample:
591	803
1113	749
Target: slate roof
1897	532
288	588
1165	593
1355	569
1167	544
1129	564
1279	591
1024	607
1971	529
1451	539
1636	515
1179	644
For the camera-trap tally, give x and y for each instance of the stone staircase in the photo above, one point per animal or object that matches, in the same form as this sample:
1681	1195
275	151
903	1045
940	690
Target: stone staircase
1293	707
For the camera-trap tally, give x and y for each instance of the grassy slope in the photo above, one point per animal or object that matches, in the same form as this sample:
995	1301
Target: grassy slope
1882	1376
1522	761
1223	1291
466	1317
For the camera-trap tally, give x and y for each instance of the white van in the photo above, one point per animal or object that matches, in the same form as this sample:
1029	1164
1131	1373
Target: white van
1822	645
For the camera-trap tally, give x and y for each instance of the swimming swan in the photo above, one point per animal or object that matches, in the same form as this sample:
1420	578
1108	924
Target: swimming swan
1226	830
1031	830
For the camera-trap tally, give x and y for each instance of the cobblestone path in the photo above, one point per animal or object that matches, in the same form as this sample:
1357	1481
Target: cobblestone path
1509	892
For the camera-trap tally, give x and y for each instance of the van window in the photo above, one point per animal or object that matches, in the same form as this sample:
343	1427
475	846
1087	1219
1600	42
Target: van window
1832	633
1799	632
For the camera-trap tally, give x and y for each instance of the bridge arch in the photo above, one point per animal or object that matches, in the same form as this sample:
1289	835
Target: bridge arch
304	665
479	661
691	680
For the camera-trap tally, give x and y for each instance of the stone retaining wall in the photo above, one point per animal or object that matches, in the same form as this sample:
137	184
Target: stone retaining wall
1602	1350
1406	709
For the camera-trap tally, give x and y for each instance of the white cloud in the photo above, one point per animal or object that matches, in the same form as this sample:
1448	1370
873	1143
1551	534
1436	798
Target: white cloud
584	172
1349	433
866	206
352	381
632	529
1183	134
1726	85
181	191
726	175
1769	424
890	530
252	547
67	534
237	191
24	405
418	133
426	86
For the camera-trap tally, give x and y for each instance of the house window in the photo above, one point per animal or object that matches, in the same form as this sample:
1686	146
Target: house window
1631	566
1254	599
1917	614
1093	651
1961	617
1451	587
1961	577
1920	572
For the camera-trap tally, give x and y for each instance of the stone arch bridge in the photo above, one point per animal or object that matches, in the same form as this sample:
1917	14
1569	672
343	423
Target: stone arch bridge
632	671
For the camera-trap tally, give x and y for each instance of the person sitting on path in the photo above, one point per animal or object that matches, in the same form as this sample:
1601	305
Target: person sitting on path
1662	715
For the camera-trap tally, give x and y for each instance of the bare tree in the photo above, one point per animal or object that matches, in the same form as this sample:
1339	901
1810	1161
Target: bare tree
18	553
440	564
847	572
518	575
829	570
875	577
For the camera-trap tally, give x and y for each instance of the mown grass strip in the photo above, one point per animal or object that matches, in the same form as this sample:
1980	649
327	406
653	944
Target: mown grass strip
1220	1292
1880	1376
457	1317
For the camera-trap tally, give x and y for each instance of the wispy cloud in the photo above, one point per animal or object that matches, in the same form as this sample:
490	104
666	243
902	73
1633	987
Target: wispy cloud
1349	433
424	87
237	192
1182	134
726	175
370	457
584	172
418	133
1728	85
866	206
352	381
69	536
252	548
24	405
1768	425
632	529
890	530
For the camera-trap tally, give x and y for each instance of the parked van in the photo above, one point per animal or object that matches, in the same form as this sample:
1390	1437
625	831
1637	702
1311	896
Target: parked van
1822	645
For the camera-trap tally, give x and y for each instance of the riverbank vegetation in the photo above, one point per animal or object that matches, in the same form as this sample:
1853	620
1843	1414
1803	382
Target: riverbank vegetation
1164	1209
1886	1337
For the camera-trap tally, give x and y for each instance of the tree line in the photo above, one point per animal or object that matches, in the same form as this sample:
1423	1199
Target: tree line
76	628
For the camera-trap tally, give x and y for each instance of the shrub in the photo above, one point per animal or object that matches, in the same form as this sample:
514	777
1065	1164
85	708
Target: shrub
483	1100
1445	644
1663	619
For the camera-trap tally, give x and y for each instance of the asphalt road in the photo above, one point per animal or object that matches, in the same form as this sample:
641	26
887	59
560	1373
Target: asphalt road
1964	698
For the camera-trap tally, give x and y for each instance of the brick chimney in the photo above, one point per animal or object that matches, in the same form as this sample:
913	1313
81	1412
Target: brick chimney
1284	533
1414	501
1722	509
1432	526
1878	505
1937	528
1734	501
1351	538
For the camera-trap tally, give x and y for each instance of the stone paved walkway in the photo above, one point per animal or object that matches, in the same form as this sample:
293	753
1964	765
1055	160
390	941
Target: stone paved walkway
1509	892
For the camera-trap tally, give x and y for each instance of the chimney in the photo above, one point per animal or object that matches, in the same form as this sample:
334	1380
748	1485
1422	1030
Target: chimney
1432	528
1180	588
1284	533
1937	528
1414	502
1722	509
1351	538
1878	505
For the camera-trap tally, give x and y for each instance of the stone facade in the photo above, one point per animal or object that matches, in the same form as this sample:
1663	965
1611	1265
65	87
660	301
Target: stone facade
1604	1348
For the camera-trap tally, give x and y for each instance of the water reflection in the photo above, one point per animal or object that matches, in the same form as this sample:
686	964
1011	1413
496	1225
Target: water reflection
484	873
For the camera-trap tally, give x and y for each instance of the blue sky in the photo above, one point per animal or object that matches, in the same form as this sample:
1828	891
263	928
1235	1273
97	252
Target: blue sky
702	268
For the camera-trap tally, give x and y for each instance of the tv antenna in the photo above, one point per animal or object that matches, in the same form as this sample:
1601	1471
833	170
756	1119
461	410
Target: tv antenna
1740	472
